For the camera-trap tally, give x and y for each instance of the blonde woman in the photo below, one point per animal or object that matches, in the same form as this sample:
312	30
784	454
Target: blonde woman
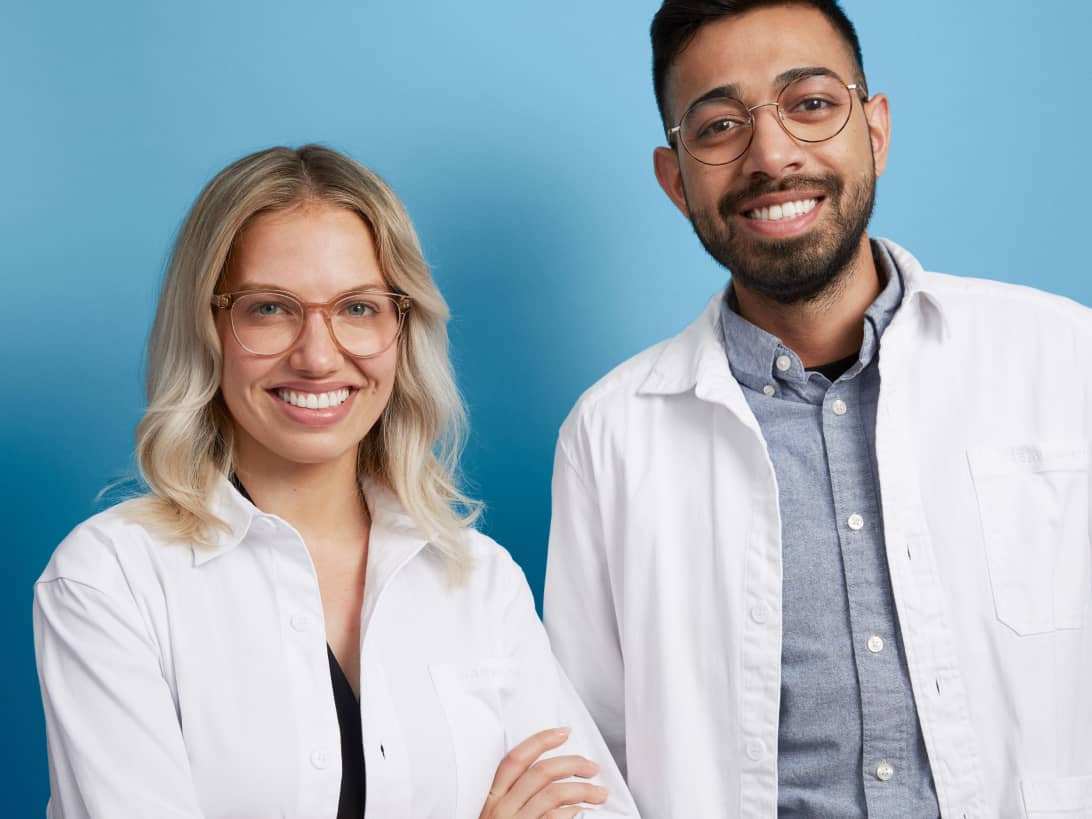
299	618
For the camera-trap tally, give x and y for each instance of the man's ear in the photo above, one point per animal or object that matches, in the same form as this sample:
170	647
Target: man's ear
669	175
878	117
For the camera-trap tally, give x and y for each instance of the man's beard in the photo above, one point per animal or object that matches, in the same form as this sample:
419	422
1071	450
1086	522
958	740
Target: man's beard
799	269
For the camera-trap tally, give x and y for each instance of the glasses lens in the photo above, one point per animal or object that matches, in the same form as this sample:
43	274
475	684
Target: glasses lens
366	323
716	131
266	323
815	107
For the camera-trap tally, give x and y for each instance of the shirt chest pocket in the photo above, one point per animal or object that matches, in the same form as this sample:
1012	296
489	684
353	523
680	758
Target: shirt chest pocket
471	698
1033	502
1064	798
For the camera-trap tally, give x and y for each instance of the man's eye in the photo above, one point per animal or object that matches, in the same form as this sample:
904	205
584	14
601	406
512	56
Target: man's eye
813	105
719	127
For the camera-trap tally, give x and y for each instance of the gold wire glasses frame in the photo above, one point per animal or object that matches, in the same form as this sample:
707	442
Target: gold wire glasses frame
813	107
363	324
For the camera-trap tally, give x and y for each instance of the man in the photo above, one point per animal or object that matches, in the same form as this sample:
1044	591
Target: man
826	553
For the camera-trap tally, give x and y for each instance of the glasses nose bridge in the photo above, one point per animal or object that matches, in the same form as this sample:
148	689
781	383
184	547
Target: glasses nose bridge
324	310
772	103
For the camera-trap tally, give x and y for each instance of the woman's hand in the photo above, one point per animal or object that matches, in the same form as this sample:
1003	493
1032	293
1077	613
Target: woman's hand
528	789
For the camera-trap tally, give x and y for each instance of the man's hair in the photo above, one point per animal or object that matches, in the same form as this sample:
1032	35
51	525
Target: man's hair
678	21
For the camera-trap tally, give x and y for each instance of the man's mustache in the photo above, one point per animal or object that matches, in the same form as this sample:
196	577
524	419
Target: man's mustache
831	186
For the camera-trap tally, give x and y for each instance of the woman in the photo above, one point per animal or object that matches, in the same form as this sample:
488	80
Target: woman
299	606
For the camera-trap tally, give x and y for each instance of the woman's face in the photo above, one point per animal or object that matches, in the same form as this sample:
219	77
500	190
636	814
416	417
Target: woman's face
317	252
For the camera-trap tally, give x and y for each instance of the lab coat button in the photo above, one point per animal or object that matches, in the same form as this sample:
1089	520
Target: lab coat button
760	614
756	749
320	759
856	522
301	622
884	771
783	363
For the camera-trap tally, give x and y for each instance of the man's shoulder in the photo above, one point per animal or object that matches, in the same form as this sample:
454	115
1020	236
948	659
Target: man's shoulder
967	300
623	382
988	298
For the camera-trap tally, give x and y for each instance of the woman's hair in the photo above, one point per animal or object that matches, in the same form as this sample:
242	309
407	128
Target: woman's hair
184	441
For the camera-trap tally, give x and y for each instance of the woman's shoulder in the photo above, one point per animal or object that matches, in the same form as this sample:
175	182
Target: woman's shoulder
493	568
106	548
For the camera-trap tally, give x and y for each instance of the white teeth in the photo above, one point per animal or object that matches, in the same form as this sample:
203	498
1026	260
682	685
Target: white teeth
786	210
311	400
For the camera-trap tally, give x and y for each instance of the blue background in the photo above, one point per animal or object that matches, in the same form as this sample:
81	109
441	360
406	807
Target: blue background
520	137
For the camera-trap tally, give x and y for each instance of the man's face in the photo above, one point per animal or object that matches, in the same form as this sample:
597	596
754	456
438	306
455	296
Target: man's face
801	255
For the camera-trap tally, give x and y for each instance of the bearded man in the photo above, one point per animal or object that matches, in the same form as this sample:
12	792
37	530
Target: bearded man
826	552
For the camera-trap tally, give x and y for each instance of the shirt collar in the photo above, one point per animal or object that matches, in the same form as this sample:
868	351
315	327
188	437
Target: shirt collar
395	536
695	359
759	359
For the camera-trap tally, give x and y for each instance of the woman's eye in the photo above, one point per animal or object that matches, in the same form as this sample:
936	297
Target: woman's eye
268	308
359	309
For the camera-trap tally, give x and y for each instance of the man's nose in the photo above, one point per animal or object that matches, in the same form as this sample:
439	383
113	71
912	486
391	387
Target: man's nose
773	151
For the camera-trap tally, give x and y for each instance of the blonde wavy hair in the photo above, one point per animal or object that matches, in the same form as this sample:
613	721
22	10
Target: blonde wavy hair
184	441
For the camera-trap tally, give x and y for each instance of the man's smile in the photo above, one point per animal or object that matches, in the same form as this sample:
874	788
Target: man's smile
781	215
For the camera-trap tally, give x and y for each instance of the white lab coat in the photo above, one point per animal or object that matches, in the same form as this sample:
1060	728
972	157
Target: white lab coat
184	682
663	587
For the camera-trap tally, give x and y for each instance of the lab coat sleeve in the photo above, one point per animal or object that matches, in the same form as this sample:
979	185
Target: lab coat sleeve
115	745
542	697
579	608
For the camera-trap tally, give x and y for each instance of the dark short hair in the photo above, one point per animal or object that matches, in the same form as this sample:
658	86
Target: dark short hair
678	21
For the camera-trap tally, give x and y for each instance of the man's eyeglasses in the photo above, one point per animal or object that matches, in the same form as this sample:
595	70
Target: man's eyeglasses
270	322
811	108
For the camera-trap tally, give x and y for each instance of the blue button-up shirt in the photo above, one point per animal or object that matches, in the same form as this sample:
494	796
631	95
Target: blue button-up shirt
849	739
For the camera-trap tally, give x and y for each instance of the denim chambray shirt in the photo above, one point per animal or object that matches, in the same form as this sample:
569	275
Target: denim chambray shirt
849	740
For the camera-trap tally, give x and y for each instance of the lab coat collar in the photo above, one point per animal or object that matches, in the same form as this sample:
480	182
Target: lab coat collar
696	360
394	536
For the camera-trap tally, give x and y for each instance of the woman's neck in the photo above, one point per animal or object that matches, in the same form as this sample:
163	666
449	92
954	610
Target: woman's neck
322	501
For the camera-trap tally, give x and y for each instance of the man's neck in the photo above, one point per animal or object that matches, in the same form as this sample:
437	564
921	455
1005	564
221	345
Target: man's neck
828	328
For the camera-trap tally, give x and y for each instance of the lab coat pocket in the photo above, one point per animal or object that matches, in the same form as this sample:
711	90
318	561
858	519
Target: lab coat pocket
470	694
1033	501
1058	797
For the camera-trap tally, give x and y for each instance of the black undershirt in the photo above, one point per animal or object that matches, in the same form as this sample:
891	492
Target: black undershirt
836	369
350	804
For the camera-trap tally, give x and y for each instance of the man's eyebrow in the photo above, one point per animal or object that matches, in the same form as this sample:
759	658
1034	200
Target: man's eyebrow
782	79
730	90
785	77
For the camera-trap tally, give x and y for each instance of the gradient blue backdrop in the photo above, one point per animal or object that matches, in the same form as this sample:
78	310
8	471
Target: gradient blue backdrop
520	137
